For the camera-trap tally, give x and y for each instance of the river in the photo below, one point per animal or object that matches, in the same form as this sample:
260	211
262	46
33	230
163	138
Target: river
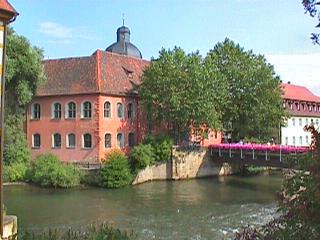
212	208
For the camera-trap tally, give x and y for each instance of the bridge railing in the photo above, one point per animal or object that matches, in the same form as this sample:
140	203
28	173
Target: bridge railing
259	154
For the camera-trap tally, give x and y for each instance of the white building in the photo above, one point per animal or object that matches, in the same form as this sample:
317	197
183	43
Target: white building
304	109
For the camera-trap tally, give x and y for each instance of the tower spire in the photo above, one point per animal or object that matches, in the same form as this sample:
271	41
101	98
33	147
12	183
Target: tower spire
122	19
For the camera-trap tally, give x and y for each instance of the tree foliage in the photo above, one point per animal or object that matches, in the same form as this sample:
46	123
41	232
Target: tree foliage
24	73
253	103
312	7
176	93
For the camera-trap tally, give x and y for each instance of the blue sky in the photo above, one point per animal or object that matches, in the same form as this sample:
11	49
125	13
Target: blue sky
279	29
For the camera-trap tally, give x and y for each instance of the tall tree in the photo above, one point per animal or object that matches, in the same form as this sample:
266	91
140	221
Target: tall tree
254	103
312	7
24	73
178	92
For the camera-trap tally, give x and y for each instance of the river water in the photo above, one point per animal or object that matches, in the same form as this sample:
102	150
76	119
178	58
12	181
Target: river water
212	208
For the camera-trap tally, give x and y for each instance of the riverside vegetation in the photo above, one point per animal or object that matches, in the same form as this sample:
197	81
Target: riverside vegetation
118	170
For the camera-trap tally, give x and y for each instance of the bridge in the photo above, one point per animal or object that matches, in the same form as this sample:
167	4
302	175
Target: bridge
255	154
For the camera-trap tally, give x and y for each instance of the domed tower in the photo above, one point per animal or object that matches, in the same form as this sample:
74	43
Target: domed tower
123	45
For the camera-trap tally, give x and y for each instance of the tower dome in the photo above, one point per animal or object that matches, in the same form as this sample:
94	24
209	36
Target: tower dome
123	45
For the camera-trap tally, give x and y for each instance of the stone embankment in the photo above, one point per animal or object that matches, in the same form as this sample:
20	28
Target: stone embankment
185	163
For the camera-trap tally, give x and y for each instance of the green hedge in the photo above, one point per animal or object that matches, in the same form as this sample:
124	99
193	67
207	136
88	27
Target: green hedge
116	172
48	171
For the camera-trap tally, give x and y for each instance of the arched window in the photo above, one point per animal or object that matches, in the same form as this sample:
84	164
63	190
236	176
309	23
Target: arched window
87	140
120	140
36	111
56	113
107	110
130	111
107	140
86	109
131	140
72	110
120	110
36	142
71	140
57	140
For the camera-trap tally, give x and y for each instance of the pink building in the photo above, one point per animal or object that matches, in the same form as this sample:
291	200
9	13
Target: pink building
88	104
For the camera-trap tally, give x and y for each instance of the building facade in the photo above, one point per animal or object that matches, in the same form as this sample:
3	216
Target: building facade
304	109
88	105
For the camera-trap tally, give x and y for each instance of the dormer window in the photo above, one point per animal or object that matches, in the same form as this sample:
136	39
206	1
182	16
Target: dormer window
303	106
128	72
310	107
297	106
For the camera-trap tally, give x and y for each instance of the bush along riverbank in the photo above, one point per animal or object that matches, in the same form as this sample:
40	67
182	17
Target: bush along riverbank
118	169
93	232
299	201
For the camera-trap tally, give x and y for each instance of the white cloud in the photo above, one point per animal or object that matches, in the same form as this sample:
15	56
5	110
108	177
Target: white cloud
56	30
299	69
60	34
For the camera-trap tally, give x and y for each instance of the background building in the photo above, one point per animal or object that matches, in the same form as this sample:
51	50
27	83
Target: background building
304	109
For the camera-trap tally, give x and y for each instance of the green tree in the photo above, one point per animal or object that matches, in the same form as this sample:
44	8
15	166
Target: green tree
311	7
24	73
253	103
176	93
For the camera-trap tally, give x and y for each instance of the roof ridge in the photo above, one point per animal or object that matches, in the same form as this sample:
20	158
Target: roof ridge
98	77
66	58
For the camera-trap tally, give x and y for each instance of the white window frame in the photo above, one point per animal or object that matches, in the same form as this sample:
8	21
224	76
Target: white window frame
83	145
33	142
82	110
53	110
105	109
105	140
68	142
32	111
67	110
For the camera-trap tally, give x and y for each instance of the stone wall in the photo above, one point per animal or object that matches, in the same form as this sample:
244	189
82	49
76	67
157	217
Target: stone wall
186	163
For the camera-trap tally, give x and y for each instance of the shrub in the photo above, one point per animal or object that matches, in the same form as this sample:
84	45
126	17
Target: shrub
116	172
143	155
91	233
48	171
16	172
111	154
162	145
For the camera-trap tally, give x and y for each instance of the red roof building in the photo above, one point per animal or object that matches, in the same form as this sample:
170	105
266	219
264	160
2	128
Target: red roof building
89	104
304	109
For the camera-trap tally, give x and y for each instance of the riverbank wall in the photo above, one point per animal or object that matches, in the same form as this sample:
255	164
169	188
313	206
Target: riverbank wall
186	163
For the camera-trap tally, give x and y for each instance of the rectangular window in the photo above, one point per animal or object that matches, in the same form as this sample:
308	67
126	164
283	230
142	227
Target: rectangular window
293	122
300	140
286	141
307	139
293	140
307	121
300	122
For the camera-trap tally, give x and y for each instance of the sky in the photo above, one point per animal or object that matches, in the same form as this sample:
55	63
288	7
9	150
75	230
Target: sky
279	29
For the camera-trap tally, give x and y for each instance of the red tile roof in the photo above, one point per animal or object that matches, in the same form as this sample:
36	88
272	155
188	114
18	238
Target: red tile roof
6	6
102	72
295	92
